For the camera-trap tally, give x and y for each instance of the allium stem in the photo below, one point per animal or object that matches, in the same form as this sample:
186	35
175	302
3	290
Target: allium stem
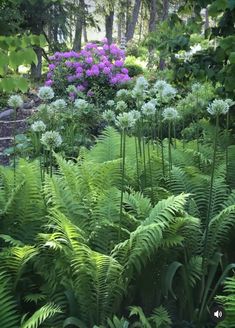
227	135
122	182
137	163
14	145
144	157
169	148
50	159
150	172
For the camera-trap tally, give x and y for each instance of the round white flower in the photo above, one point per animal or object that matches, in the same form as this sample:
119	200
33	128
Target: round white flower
108	115
38	126
81	104
122	94
218	107
46	93
160	85
110	103
135	114
154	102
51	112
71	89
137	93
230	102
170	114
142	83
125	120
148	109
59	104
15	101
51	139
168	92
121	106
196	87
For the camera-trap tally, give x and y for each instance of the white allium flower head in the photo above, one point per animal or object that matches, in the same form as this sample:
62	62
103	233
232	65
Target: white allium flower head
121	106
137	93
15	101
196	87
142	83
59	104
71	88
218	107
230	102
168	91
110	103
122	94
51	139
148	109
125	120
170	114
135	114
38	126
51	112
81	104
46	93
42	108
154	102
160	85
108	115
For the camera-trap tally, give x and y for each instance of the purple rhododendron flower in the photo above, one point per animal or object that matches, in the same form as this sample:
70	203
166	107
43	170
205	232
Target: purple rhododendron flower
119	63
80	87
105	63
89	60
48	83
104	40
90	93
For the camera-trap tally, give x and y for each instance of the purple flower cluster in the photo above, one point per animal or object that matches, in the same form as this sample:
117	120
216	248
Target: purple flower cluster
93	64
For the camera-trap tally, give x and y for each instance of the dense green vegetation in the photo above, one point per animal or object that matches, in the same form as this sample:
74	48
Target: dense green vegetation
117	208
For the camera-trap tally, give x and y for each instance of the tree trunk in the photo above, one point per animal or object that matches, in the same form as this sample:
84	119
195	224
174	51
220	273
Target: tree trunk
85	33
153	16
77	43
165	13
128	3
206	19
36	70
152	27
109	26
133	22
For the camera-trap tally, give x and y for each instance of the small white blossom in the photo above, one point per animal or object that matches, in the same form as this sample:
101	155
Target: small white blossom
108	115
46	93
38	126
122	94
196	87
138	93
170	114
15	101
148	109
71	88
51	112
230	102
110	103
59	104
51	139
121	106
142	83
81	104
168	92
154	102
135	114
160	85
125	120
218	107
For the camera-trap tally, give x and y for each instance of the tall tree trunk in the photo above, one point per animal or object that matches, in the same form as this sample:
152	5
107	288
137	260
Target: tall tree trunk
133	21
85	33
36	70
206	19
153	16
152	27
127	15
119	27
141	22
109	26
77	43
165	13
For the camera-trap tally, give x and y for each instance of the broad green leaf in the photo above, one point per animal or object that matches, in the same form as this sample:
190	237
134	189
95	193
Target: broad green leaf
232	58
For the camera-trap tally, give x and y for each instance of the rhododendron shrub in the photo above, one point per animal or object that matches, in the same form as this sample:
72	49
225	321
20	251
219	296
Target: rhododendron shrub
97	70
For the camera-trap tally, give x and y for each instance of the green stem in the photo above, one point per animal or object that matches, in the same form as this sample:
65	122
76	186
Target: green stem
50	154
226	151
205	248
144	157
150	172
14	145
137	163
122	184
169	148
